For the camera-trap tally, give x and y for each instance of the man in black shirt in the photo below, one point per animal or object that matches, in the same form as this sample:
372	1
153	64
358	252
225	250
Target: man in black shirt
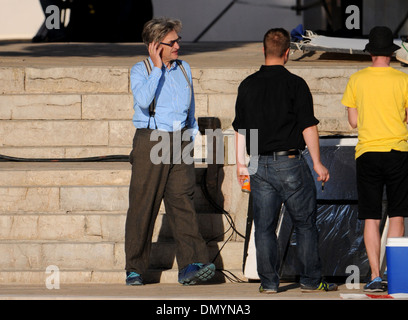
279	105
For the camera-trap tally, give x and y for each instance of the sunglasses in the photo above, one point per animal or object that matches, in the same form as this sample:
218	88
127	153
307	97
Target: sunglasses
171	43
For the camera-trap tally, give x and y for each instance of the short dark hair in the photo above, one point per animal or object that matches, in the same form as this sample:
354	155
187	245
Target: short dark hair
276	42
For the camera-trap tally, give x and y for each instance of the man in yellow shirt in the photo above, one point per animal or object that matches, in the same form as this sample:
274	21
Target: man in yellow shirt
377	100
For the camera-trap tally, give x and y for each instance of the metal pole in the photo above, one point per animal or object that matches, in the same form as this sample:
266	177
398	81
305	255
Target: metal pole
214	21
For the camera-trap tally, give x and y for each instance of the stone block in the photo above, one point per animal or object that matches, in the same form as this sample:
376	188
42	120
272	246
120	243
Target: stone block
53	133
211	225
18	227
201	105
325	80
57	174
231	257
20	256
38	255
22	277
107	106
94	198
63	227
78	256
11	80
40	107
329	126
219	81
77	80
329	106
84	152
41	227
34	152
222	106
121	133
106	227
35	199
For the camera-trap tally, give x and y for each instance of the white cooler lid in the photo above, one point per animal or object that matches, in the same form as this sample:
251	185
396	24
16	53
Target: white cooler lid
397	242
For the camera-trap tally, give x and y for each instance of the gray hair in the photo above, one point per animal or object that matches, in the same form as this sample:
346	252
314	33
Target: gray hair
156	29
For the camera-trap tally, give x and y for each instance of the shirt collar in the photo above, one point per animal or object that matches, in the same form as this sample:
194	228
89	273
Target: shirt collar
273	67
173	64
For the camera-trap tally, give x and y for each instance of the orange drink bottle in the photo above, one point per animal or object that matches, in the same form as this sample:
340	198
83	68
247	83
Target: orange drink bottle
246	186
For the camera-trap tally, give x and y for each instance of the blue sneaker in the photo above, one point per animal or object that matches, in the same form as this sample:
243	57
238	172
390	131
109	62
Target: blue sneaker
385	277
375	285
195	272
133	279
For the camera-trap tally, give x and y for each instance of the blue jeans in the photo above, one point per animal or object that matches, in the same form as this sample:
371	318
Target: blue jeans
288	181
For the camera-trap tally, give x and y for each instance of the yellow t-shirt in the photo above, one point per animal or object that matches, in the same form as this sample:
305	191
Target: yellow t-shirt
380	95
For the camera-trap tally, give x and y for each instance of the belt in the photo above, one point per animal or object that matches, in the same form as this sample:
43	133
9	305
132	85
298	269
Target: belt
293	152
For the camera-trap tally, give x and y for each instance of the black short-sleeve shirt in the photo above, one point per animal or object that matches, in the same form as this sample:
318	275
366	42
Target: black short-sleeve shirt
279	105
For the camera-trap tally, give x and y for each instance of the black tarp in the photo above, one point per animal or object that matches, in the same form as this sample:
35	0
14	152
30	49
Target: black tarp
341	242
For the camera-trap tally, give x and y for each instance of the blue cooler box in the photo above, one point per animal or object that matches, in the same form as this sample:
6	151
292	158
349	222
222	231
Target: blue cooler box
397	265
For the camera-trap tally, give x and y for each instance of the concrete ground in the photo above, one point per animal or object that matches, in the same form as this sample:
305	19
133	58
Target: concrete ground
199	55
165	291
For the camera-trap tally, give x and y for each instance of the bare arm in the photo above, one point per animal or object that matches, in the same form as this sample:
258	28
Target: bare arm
311	136
352	117
240	147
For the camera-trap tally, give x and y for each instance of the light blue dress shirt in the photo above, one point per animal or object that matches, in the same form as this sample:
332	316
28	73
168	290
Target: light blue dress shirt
175	106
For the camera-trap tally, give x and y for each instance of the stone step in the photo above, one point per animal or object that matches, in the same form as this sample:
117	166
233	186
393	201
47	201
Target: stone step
56	148
58	187
51	174
88	243
67	174
82	80
27	261
104	276
72	215
38	255
89	199
83	111
96	226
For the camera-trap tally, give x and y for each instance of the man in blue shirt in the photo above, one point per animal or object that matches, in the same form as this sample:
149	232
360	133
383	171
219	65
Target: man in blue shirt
162	169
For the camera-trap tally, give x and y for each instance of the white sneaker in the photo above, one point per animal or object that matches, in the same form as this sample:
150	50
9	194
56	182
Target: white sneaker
402	54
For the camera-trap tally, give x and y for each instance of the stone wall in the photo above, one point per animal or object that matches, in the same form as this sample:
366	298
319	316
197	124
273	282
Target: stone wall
87	111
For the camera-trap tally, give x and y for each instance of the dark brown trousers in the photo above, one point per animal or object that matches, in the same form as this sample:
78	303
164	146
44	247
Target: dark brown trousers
151	183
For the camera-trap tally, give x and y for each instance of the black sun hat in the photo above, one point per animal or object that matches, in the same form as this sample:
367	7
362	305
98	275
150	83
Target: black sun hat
381	42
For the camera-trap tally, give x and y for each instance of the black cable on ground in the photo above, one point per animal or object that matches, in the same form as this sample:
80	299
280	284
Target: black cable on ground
109	158
227	274
216	206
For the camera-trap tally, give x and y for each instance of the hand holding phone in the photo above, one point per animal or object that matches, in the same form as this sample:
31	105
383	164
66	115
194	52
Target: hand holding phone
155	50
